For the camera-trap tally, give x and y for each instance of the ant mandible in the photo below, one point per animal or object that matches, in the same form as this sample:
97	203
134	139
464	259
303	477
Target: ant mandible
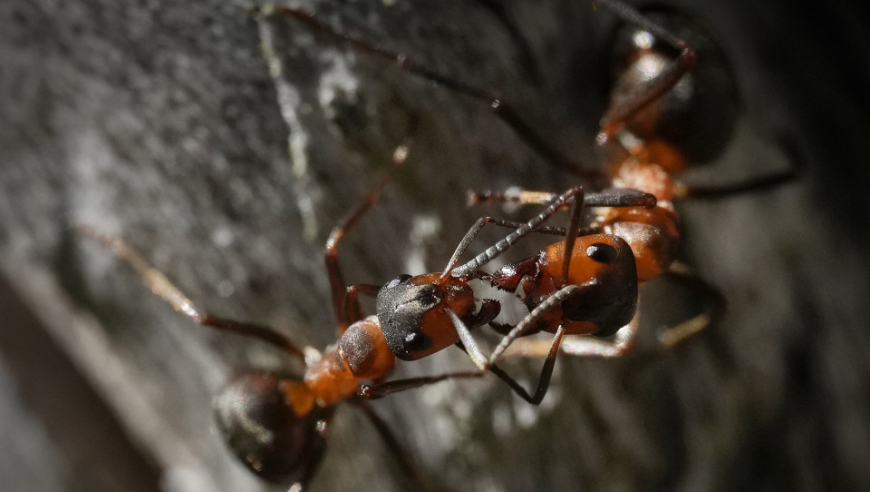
277	425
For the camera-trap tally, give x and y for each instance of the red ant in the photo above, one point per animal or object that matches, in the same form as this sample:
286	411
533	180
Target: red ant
276	425
636	140
638	148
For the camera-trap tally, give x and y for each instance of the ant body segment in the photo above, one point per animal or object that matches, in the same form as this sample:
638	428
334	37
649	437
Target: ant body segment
276	425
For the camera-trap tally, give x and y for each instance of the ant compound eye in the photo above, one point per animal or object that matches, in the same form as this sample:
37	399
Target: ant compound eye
397	281
602	253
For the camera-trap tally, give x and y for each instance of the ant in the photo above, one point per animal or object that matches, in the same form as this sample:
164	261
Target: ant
645	135
277	425
658	117
417	316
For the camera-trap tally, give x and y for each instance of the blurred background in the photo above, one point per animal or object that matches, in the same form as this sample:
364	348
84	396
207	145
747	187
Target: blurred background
225	148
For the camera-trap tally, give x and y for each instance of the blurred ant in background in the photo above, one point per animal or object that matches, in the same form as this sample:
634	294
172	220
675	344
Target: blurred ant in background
276	425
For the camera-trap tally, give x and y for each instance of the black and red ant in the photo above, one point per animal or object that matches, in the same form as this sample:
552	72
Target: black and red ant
422	315
277	425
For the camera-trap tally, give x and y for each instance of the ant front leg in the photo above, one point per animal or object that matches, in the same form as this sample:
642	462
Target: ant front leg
347	310
352	309
582	346
380	390
610	197
753	185
160	286
522	328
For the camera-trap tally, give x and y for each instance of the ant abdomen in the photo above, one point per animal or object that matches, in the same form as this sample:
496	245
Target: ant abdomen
273	425
697	116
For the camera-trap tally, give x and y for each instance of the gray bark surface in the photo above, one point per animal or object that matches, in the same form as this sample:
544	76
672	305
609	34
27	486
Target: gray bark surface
161	122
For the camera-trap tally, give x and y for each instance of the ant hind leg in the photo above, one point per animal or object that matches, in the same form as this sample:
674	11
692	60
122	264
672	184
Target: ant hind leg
160	286
716	305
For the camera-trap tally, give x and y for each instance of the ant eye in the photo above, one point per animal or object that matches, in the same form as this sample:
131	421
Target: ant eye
602	253
398	280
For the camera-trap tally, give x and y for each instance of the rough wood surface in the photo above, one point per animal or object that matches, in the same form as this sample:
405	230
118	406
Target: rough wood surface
160	121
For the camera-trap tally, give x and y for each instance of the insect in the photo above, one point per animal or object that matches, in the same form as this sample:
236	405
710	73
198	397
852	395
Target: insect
277	425
645	134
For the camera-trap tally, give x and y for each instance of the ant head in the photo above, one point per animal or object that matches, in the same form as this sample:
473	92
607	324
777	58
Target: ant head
273	426
697	116
413	316
603	266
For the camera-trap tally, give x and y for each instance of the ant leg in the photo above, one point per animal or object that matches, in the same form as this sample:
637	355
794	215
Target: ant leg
528	323
502	109
397	386
622	111
554	231
471	348
371	391
760	184
583	346
353	311
519	330
330	253
614	197
764	183
716	307
543	380
160	286
611	197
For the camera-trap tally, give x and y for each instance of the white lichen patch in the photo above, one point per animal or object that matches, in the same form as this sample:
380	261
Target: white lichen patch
424	229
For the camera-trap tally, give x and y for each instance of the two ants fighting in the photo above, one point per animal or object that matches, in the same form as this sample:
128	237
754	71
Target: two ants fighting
583	288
